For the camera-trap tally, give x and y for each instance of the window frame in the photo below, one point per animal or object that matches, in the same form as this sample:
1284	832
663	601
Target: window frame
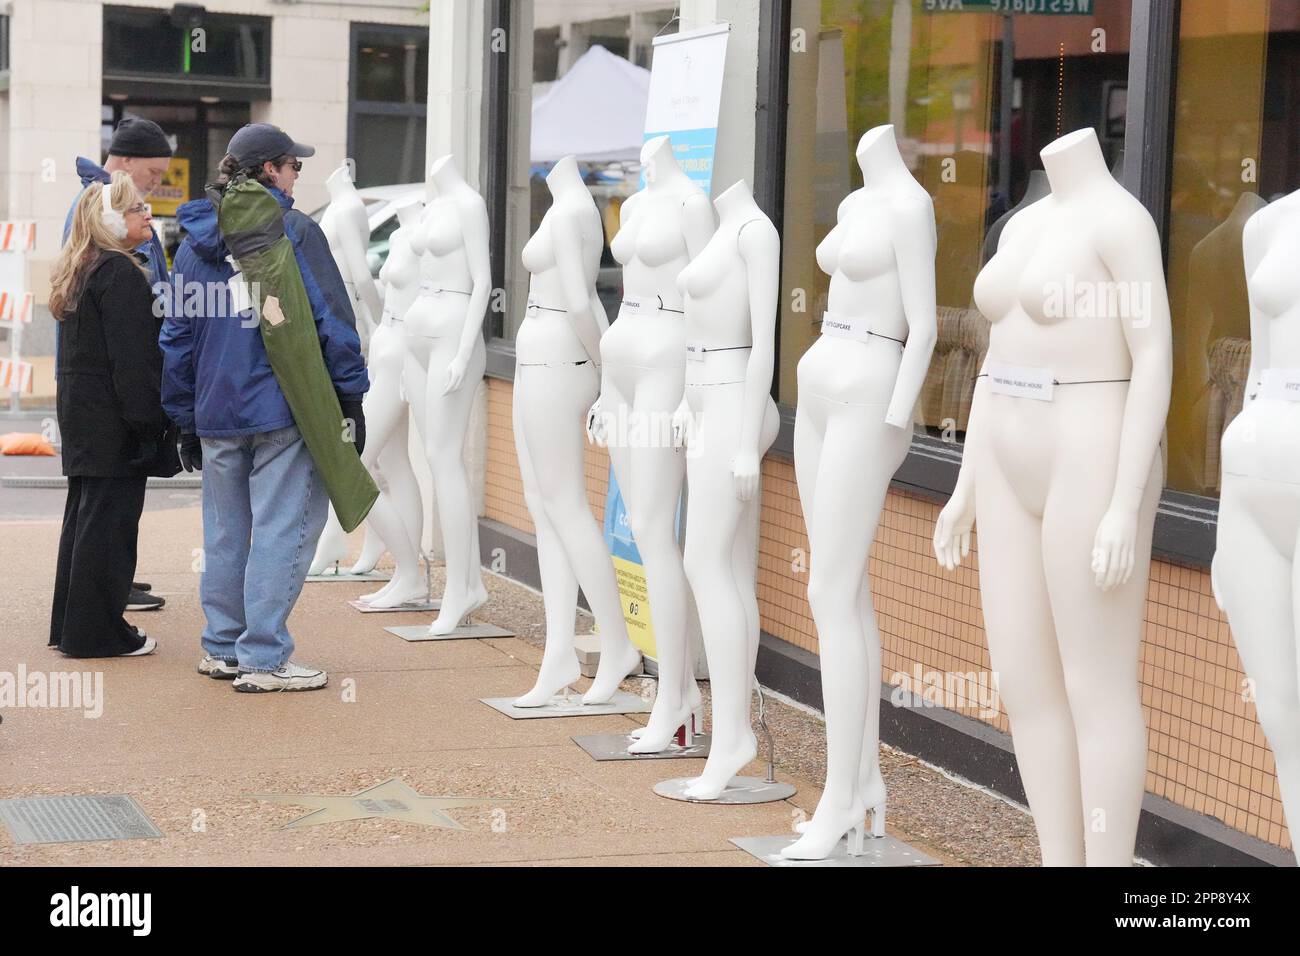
418	109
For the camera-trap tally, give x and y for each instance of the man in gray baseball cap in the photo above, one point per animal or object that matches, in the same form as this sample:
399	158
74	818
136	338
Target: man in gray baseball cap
270	151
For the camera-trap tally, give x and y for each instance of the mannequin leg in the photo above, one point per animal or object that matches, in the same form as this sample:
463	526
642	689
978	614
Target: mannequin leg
385	411
1099	634
651	485
712	526
858	457
1027	664
553	413
331	547
447	424
1258	588
559	584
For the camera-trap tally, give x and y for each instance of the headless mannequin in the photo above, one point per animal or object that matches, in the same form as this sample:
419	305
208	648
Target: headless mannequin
1254	572
557	378
858	386
730	292
661	228
445	359
387	417
1066	490
347	227
1035	190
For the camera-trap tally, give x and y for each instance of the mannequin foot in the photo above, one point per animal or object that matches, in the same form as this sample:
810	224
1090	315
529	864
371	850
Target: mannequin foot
551	680
822	833
722	765
371	551
665	729
455	611
610	673
871	794
403	589
694	701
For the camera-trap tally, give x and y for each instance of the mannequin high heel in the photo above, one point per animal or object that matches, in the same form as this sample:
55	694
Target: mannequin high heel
609	674
449	618
652	740
694	700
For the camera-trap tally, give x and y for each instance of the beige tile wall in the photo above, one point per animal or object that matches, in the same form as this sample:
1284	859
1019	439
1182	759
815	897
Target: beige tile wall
1207	750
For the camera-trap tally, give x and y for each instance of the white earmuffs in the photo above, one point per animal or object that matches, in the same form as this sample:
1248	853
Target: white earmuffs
113	220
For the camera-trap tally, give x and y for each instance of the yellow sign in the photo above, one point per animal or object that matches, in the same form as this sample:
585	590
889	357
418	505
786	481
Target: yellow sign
636	605
174	190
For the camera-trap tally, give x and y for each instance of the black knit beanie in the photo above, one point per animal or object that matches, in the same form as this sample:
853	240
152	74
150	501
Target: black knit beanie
140	138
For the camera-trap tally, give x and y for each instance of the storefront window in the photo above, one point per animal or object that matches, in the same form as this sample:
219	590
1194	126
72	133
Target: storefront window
1235	148
389	87
970	135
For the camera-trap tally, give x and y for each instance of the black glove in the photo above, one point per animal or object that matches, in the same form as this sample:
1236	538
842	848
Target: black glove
191	452
352	412
148	453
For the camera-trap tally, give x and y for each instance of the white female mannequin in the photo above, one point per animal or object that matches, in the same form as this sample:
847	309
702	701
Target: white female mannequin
387	416
662	227
445	360
1065	491
347	227
729	421
1256	565
557	377
858	386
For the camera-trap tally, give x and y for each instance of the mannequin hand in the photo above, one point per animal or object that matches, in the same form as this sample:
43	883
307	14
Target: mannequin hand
744	473
455	373
683	425
952	530
1114	548
596	425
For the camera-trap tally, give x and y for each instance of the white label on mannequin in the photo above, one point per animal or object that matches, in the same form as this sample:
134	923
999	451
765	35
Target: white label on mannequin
1021	381
694	352
846	326
639	306
1282	383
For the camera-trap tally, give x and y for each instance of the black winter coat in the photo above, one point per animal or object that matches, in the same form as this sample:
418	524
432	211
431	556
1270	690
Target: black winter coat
110	376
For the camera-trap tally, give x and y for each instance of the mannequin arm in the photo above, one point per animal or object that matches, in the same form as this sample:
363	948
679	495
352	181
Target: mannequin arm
760	247
698	224
566	239
1253	241
474	229
952	530
353	252
914	250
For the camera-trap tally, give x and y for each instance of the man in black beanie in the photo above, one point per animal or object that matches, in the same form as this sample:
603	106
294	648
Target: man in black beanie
140	149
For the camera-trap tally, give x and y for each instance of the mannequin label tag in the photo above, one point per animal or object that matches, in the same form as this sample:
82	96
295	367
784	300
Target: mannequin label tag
694	352
1021	381
846	327
1282	383
638	307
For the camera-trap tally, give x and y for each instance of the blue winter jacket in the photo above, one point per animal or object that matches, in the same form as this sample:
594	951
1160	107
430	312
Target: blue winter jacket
217	381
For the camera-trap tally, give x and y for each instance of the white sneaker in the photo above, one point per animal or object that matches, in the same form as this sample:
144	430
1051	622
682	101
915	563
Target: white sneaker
218	669
148	647
289	677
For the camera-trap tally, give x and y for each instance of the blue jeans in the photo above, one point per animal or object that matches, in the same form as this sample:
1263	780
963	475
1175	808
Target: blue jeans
264	507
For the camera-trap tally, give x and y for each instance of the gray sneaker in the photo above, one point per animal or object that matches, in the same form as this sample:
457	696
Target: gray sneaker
218	669
289	677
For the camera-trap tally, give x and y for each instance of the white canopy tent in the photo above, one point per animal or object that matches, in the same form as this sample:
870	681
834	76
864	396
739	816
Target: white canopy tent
596	111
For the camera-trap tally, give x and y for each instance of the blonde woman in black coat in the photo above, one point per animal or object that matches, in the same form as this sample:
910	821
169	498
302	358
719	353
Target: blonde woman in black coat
115	434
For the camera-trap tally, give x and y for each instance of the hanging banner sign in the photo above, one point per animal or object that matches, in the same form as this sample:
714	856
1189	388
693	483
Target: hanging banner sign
684	101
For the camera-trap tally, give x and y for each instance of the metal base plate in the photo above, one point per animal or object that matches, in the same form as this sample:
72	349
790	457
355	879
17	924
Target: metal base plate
614	747
621	703
420	632
76	819
412	606
344	576
885	851
741	790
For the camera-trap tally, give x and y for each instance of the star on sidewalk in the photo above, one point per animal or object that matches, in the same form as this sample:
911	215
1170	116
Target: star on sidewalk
390	800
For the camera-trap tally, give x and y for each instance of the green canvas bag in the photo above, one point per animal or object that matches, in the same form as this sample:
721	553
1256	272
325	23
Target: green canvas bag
252	226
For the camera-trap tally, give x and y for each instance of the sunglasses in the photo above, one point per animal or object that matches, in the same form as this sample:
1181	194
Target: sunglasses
295	163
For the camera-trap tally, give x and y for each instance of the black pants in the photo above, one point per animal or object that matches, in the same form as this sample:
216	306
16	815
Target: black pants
101	522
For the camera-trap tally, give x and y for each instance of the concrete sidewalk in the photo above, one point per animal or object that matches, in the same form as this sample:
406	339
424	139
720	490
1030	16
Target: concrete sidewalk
193	752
